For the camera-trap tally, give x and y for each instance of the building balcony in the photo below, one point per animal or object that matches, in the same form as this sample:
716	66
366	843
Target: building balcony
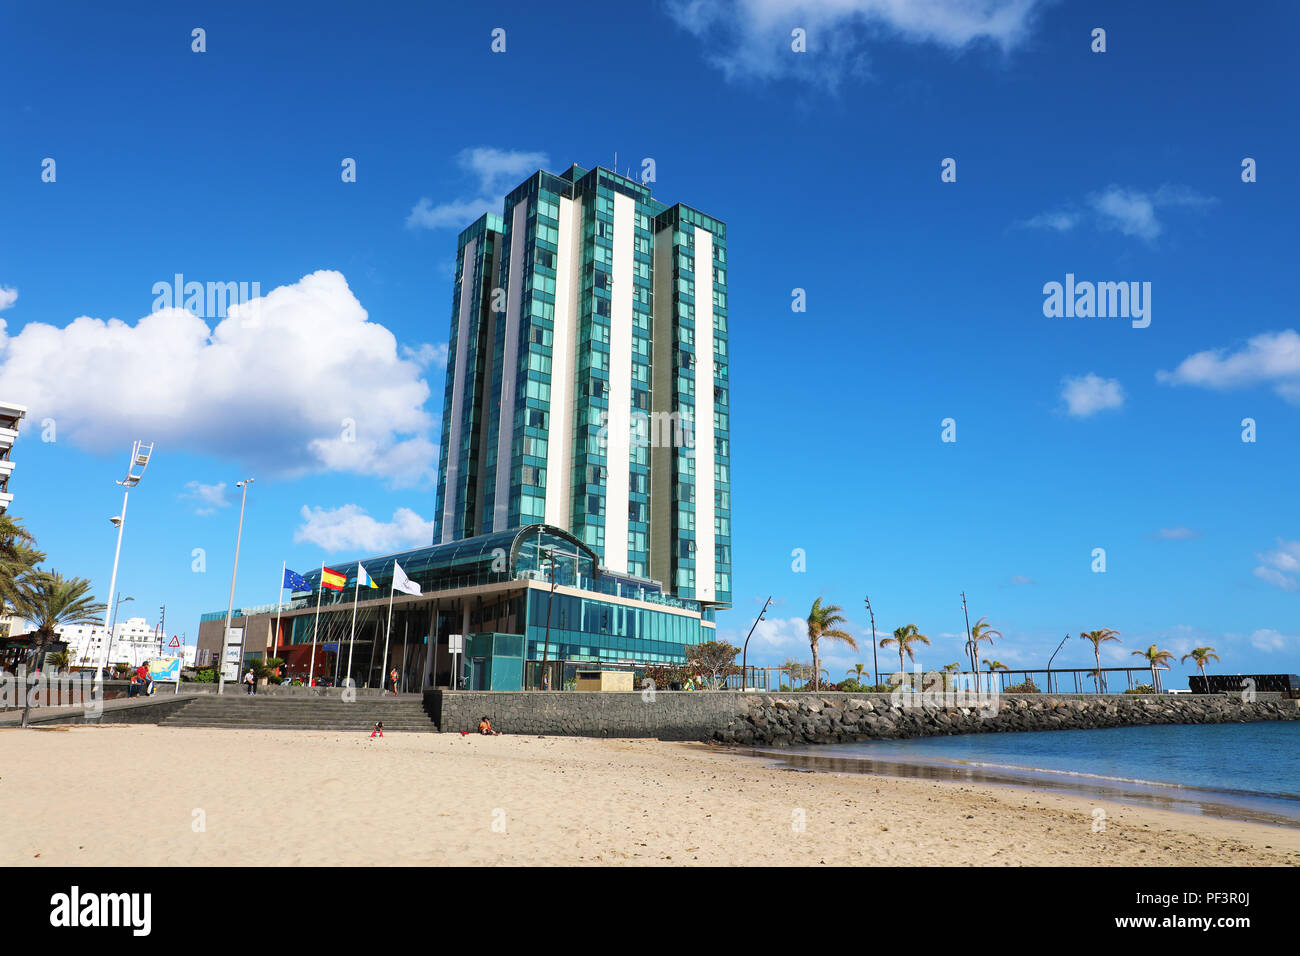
11	415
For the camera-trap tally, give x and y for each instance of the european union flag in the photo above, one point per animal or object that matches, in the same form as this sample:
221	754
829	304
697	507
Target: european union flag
295	581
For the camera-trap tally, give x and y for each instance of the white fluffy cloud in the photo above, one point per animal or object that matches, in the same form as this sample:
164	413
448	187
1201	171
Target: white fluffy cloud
752	38
783	634
297	381
1132	212
1281	567
206	498
1060	221
1086	395
1271	358
1269	640
349	528
427	354
7	297
495	171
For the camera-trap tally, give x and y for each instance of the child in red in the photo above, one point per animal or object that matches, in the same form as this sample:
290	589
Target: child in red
379	730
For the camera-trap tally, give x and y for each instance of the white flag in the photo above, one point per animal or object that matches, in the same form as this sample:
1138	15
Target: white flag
402	583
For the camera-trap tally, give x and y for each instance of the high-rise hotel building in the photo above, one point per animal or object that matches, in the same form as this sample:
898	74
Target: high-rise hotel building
587	380
583	514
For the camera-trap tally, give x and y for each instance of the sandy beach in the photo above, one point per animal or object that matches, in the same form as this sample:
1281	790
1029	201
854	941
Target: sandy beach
148	795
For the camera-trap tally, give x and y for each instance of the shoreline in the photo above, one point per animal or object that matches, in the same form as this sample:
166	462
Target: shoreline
1238	806
326	798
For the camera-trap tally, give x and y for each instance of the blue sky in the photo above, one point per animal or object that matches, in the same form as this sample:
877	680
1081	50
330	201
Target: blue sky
924	298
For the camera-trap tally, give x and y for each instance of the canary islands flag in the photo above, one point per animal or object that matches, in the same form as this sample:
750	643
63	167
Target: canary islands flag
332	580
364	580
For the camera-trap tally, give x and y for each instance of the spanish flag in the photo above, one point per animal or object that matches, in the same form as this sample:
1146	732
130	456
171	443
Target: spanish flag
329	578
363	579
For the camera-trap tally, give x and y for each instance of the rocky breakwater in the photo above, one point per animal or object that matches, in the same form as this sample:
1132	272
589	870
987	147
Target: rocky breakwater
838	718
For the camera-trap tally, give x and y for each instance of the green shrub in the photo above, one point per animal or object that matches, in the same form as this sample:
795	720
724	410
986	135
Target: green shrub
1028	687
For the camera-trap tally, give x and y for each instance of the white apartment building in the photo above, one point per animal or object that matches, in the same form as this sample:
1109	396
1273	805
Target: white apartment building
135	641
10	416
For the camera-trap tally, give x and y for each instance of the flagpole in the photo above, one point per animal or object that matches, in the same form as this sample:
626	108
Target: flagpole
275	638
311	674
356	596
384	662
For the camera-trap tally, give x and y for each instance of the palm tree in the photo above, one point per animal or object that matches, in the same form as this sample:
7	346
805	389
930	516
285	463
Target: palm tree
981	630
824	621
905	637
857	672
50	601
994	666
1202	656
1098	638
59	659
18	557
948	671
1154	656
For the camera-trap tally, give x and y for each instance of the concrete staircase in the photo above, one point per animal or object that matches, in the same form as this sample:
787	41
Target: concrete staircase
404	714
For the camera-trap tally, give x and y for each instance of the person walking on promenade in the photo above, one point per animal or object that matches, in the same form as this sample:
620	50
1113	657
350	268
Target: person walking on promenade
392	675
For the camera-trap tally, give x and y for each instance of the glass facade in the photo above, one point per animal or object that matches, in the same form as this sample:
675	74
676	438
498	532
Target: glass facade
586	629
684	281
620	266
462	467
495	590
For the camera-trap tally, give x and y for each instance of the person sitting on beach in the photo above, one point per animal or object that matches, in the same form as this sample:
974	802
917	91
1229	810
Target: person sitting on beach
485	728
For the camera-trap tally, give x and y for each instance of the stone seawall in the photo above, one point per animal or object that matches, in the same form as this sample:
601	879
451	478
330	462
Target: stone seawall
767	719
668	715
839	718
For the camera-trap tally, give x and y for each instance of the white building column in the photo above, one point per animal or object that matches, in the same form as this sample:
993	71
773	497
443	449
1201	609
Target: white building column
559	447
705	556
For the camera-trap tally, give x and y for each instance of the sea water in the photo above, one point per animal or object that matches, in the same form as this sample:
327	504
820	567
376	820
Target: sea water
1244	771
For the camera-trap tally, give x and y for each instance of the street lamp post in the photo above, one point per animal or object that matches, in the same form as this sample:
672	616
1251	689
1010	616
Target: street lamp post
875	664
744	655
1052	658
970	645
113	627
230	605
140	454
550	556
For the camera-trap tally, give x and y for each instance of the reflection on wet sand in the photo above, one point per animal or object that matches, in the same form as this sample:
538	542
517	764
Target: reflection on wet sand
1276	810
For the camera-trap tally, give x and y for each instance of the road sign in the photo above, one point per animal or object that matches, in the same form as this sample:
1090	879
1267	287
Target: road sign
175	641
456	643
